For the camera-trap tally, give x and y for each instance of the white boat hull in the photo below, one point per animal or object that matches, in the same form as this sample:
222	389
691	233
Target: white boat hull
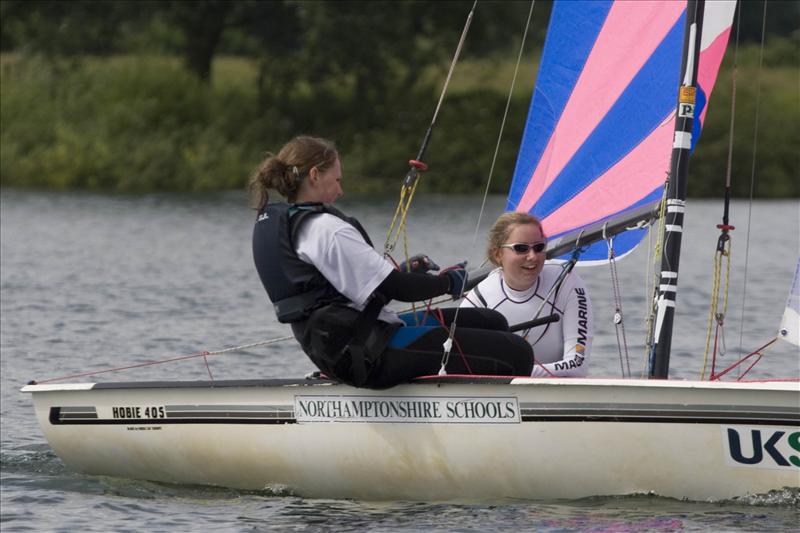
530	438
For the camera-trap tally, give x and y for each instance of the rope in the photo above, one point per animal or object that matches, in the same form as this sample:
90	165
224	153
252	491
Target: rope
438	315
541	365
407	191
723	251
758	352
715	315
203	354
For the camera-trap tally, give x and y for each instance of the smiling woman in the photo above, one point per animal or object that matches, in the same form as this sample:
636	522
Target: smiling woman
523	288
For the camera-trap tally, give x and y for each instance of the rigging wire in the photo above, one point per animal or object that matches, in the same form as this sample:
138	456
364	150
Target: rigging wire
619	322
449	342
398	225
753	171
203	354
503	123
410	182
722	254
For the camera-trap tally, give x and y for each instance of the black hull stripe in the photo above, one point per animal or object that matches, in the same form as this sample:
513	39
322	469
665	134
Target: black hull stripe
663	420
604	419
751	419
217	414
791	418
169	421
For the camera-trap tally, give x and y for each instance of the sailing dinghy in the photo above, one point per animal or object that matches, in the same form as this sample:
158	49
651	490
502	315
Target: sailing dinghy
601	127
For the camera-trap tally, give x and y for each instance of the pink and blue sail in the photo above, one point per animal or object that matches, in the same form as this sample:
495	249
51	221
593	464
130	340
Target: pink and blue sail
599	132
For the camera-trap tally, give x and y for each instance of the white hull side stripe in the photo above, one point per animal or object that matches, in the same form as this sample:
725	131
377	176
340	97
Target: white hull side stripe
665	413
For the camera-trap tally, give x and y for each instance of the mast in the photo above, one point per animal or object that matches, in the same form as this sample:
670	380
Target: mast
676	192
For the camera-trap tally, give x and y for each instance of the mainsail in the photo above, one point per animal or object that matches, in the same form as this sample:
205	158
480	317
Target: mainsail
599	132
790	324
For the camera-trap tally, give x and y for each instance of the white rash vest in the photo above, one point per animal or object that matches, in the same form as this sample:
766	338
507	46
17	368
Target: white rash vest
341	254
559	348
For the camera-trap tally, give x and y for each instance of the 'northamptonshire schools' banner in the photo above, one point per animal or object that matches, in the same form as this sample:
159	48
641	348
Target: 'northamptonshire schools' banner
407	409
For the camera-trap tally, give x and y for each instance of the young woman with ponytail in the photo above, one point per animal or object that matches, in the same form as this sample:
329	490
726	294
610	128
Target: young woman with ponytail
324	278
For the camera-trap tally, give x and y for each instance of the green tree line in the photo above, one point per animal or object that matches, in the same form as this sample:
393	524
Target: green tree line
189	95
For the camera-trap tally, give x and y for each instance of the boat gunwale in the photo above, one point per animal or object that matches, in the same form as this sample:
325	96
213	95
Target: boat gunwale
777	385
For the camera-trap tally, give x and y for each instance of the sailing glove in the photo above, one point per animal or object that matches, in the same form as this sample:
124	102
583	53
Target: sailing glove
419	264
458	277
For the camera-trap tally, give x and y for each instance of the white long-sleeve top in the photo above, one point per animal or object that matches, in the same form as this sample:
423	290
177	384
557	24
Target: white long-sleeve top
560	348
339	252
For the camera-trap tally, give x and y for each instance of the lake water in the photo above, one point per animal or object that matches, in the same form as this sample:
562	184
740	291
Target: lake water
92	282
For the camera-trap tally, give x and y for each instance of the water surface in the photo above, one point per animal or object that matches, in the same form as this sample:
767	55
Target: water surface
92	282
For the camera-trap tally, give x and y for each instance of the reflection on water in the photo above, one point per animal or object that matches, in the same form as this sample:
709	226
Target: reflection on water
91	282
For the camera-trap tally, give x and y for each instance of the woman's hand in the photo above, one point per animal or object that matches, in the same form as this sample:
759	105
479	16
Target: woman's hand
458	277
419	264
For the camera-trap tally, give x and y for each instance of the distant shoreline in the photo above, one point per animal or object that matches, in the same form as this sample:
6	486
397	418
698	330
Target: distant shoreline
137	124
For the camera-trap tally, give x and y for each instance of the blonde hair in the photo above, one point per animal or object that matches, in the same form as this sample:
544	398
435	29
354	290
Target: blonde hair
285	171
502	229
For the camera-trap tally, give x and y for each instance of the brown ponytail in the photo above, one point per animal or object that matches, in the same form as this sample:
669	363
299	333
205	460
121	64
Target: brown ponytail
286	171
